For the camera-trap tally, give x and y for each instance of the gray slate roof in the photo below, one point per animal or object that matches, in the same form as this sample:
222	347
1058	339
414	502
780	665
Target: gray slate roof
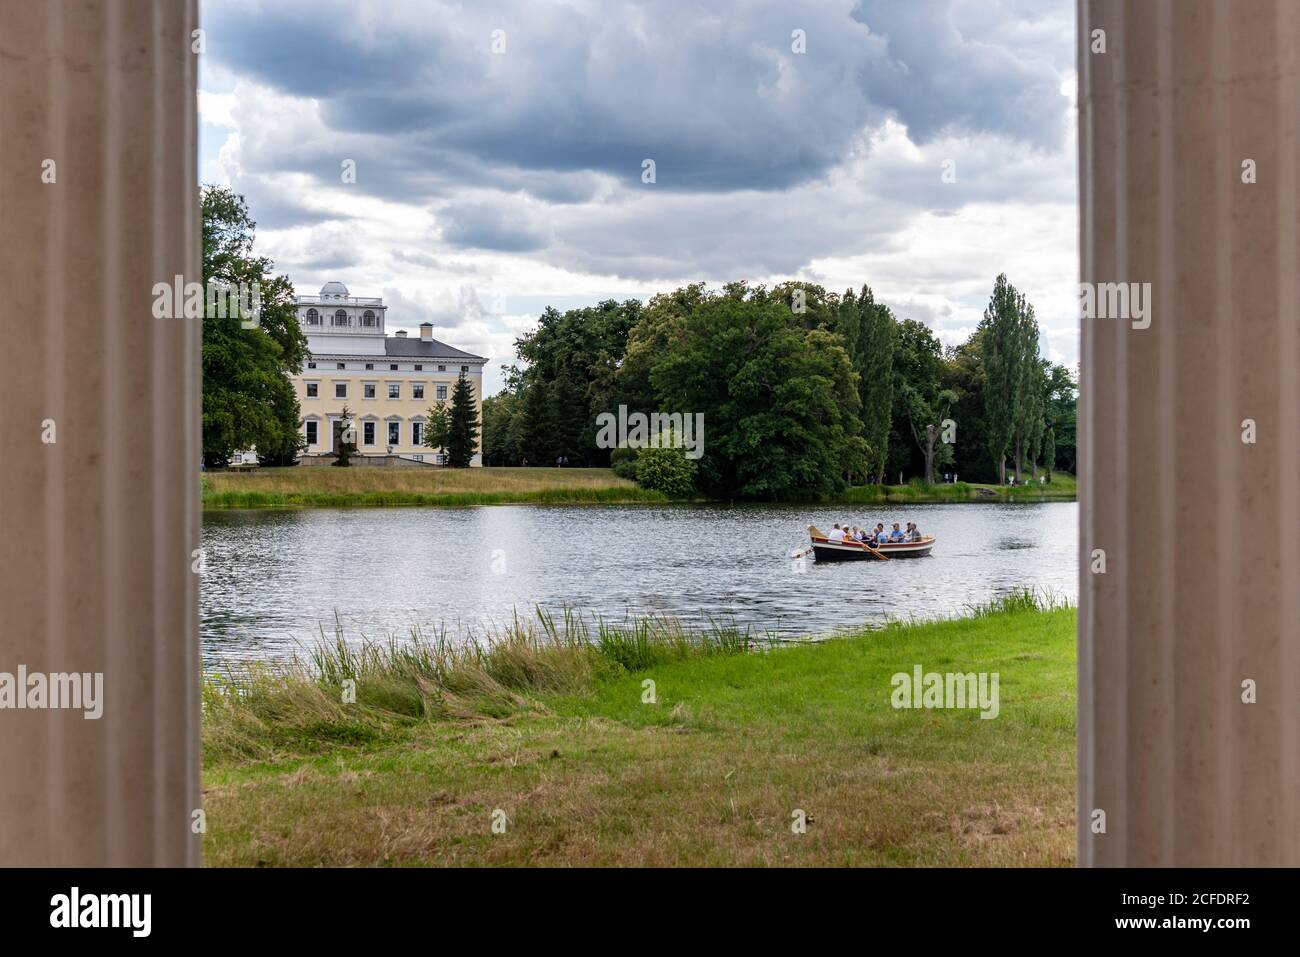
410	348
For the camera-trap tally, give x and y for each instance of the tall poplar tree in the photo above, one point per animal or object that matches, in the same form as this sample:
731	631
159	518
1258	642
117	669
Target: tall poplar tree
1001	328
879	336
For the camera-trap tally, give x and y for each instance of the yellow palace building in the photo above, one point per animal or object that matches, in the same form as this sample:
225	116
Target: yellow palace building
387	382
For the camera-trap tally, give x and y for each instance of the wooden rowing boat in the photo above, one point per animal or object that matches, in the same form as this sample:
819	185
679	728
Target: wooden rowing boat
849	551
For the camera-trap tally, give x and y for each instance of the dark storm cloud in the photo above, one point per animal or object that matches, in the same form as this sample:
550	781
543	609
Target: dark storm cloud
711	91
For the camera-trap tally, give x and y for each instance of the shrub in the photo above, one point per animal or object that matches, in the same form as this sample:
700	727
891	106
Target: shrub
666	470
622	461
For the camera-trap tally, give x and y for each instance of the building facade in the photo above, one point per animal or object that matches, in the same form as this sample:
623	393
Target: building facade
388	383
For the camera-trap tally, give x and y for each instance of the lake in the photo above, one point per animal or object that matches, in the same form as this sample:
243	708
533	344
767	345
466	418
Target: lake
274	578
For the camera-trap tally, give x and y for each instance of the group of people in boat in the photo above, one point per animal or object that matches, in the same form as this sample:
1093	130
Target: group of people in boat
874	536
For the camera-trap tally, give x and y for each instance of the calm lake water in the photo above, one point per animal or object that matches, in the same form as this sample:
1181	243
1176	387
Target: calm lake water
274	578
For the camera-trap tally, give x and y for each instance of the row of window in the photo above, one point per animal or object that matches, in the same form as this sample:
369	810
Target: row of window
368	390
341	318
368	432
392	366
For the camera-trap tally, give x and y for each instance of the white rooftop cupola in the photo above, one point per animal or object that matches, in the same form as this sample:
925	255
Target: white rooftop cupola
334	290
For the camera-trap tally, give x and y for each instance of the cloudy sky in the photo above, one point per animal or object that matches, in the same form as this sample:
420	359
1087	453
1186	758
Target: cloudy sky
499	150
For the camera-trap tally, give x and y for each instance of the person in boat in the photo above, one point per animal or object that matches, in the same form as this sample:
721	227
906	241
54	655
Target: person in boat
913	533
897	534
881	537
836	534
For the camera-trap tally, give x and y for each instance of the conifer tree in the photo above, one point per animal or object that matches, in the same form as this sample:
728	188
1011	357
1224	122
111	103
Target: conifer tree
462	431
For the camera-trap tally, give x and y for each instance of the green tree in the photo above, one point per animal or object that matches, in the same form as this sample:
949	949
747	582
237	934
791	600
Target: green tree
878	341
462	425
573	373
347	446
780	401
437	430
1003	331
248	397
502	444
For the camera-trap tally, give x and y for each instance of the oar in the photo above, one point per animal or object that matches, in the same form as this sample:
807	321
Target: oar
875	551
801	554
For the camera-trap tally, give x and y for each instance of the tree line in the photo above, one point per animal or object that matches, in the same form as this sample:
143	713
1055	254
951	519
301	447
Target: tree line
804	391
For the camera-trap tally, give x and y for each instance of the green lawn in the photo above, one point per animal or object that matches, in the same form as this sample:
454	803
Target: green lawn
560	742
326	486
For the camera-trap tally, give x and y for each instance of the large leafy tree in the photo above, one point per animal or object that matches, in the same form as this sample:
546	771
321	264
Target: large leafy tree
779	400
572	375
501	433
248	398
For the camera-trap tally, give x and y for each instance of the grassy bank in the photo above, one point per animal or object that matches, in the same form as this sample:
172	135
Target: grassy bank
323	486
326	487
547	725
1063	487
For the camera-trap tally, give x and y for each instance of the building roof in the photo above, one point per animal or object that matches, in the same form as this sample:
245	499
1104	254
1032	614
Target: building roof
411	348
334	289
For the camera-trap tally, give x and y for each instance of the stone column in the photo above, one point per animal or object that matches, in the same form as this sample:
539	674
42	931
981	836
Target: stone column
99	429
1189	434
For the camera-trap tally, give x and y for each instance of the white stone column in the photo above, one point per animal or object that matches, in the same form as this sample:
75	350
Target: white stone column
98	202
1188	179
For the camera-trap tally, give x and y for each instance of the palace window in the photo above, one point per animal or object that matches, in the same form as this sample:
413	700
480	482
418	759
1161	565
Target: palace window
311	365
340	318
464	368
313	317
417	390
442	393
368	433
394	390
368	391
370	365
368	318
313	389
417	433
311	431
340	390
340	365
418	367
393	367
442	368
394	433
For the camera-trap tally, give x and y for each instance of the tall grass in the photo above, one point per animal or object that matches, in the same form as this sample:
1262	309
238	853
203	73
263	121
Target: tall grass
255	710
379	486
1016	601
554	496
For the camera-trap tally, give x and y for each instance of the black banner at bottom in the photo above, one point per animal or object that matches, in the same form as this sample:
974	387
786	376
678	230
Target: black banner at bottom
340	907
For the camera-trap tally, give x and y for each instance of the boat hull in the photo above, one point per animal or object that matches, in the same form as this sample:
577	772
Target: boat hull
827	551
